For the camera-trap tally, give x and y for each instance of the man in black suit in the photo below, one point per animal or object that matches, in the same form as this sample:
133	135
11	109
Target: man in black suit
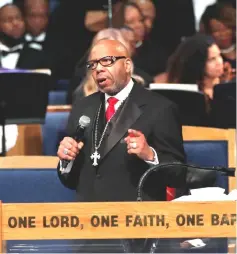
13	52
140	130
37	18
144	130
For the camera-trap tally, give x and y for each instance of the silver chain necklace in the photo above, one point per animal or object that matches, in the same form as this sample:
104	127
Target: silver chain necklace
96	156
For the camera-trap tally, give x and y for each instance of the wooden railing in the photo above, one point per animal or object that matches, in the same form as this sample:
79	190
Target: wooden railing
114	220
111	220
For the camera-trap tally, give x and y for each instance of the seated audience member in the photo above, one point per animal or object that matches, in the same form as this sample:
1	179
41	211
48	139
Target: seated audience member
219	21
134	19
36	17
83	85
149	55
14	53
197	60
148	10
129	35
12	28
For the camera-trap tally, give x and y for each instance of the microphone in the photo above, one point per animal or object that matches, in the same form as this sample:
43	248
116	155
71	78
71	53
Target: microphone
84	122
178	175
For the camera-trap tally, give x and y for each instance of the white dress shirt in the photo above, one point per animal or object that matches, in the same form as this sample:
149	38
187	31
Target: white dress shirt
35	42
10	60
121	96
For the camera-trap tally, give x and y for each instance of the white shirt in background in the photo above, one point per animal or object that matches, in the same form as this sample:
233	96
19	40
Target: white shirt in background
32	41
10	61
11	134
199	7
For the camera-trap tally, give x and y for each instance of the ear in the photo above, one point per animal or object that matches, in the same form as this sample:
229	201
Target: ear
128	65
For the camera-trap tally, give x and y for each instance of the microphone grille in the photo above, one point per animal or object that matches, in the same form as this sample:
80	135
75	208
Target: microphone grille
84	121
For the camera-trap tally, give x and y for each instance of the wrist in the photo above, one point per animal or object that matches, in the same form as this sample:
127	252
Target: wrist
151	155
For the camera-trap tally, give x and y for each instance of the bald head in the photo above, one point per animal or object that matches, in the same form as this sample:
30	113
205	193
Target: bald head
113	47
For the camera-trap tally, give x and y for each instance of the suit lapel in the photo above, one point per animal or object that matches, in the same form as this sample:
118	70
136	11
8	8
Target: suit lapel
130	112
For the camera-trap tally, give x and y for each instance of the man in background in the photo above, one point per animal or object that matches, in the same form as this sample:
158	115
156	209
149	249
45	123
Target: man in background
36	14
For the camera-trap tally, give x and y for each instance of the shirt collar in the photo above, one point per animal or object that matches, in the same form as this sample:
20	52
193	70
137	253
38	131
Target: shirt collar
5	48
123	94
38	38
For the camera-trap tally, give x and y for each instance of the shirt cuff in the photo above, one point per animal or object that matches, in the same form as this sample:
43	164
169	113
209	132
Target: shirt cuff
156	160
67	169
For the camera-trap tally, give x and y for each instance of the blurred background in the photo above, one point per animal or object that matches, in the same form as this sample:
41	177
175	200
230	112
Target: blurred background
185	50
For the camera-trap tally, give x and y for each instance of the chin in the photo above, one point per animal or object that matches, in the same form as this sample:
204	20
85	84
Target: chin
106	90
110	91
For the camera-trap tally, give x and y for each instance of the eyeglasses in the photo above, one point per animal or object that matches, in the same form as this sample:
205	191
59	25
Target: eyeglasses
104	61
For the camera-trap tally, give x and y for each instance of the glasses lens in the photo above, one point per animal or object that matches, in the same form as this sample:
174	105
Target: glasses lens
105	61
90	65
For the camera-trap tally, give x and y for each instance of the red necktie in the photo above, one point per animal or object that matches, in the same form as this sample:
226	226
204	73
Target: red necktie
111	109
170	193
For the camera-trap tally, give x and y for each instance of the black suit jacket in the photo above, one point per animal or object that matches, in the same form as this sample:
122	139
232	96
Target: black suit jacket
118	173
32	59
175	19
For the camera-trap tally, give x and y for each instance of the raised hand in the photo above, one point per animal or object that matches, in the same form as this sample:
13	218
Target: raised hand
137	144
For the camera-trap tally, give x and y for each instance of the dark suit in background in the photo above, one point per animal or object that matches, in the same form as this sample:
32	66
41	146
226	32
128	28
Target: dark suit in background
30	58
175	19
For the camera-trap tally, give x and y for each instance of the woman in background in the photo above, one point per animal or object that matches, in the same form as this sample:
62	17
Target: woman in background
149	55
197	60
219	21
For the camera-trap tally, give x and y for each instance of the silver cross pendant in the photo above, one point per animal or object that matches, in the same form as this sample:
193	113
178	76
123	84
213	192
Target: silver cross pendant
95	157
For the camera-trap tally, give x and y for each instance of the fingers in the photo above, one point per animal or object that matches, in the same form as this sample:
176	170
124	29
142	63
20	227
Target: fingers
67	153
135	141
133	150
80	145
137	144
69	149
132	147
134	133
